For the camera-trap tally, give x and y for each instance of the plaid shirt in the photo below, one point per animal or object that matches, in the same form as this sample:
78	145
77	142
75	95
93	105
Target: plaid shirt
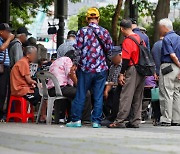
114	73
92	58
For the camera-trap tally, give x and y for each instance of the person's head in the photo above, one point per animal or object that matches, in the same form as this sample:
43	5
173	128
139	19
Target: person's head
5	31
93	15
70	54
30	52
22	34
32	41
53	57
134	23
126	27
71	35
165	26
115	56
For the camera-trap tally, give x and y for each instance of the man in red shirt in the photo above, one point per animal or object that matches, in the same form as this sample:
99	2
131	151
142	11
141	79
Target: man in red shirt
132	82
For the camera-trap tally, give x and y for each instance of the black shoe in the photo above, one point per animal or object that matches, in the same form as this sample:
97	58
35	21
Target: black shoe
175	124
129	125
165	124
105	122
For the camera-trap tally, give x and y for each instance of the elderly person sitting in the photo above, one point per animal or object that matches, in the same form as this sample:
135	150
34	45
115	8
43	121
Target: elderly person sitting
21	81
62	68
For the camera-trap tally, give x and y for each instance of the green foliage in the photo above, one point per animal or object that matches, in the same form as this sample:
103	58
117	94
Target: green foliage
145	8
176	25
22	12
73	23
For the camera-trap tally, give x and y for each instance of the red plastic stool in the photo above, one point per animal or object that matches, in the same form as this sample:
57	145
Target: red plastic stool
20	110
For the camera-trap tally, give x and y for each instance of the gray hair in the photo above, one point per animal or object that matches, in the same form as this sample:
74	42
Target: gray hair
167	23
29	49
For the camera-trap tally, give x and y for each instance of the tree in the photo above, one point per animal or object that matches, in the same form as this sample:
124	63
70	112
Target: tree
115	20
22	12
162	11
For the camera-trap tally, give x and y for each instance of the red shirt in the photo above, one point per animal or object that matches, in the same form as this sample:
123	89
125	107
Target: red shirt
130	50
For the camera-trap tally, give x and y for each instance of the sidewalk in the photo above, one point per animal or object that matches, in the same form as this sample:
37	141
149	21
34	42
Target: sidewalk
32	138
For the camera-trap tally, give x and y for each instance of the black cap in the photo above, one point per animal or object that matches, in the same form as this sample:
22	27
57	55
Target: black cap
5	26
115	51
72	33
23	30
134	21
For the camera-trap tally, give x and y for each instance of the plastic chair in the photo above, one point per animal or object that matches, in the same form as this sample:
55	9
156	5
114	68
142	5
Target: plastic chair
43	76
21	112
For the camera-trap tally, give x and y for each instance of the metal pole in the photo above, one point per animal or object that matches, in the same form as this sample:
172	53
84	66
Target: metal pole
60	33
4	13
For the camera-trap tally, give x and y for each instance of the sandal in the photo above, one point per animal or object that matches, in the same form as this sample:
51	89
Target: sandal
116	125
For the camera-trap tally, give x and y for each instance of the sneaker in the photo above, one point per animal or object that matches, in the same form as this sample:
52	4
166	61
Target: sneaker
96	125
74	124
165	124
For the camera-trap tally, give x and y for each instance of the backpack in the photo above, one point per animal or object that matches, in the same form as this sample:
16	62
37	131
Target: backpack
146	65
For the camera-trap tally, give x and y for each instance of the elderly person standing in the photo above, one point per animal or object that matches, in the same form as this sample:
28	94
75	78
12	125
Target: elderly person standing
5	39
93	68
169	82
68	45
16	46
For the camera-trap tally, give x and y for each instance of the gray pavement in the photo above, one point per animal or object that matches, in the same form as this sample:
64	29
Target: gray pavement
32	138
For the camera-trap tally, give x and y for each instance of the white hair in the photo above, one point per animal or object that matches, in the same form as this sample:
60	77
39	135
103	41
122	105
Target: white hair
167	23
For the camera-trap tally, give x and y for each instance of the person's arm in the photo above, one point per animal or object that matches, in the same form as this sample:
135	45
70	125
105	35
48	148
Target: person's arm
72	74
18	52
5	45
175	59
109	42
106	91
30	81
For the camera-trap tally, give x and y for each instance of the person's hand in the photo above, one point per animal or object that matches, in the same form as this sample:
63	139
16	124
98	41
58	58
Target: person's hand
121	79
11	37
73	68
179	76
106	94
156	77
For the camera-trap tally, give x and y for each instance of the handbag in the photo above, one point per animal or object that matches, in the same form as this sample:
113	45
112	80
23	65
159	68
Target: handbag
2	64
154	94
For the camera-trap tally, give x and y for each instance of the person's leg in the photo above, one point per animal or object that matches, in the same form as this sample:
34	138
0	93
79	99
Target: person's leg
84	82
137	101
69	92
98	89
115	103
86	116
107	107
166	91
4	81
176	98
127	95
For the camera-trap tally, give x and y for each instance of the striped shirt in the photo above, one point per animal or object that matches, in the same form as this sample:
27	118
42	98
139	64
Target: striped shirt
7	61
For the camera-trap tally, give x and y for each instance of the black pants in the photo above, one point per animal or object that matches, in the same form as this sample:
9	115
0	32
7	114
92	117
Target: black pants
33	98
70	93
111	105
4	89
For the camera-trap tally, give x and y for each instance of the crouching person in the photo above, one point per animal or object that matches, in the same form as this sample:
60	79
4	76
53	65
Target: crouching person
21	81
113	89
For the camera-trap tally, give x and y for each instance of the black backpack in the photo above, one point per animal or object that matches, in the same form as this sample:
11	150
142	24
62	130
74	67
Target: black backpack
146	65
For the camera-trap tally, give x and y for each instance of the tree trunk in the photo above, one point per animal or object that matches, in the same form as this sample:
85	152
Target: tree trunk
162	11
125	16
115	22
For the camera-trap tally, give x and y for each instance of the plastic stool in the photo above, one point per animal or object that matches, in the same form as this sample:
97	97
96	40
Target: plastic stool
21	112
